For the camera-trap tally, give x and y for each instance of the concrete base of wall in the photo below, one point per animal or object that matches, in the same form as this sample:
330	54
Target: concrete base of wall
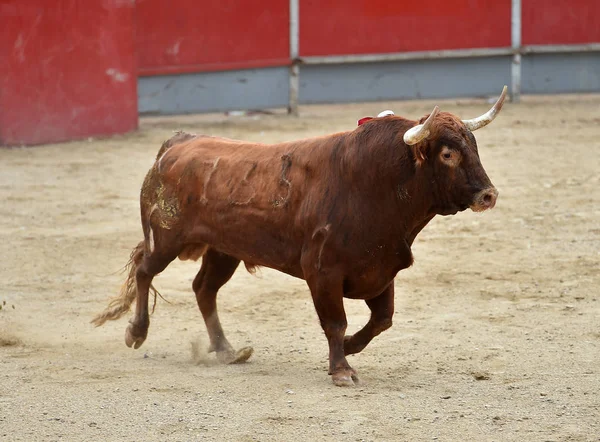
561	73
214	91
442	78
341	83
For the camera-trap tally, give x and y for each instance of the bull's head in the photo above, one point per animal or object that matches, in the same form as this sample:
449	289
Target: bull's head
446	151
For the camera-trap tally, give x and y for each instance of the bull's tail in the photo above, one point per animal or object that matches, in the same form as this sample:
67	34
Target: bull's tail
120	305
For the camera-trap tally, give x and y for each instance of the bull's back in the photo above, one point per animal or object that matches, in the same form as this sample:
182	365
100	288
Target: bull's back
220	173
243	199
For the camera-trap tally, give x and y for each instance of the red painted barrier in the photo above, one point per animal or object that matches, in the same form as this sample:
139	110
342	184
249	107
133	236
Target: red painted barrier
560	22
69	70
189	36
332	27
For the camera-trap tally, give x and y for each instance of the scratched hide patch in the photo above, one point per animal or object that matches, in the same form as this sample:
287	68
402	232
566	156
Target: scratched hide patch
166	208
244	191
196	180
241	183
285	185
161	206
216	180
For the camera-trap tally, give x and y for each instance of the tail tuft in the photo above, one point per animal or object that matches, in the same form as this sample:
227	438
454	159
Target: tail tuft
120	305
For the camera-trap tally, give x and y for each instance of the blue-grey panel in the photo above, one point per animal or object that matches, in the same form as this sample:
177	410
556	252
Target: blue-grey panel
442	78
214	91
555	73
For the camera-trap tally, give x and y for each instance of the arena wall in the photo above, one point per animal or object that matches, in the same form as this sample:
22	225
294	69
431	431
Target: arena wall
117	59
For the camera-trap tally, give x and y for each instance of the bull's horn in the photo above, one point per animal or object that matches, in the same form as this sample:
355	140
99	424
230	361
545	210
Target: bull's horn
420	131
488	117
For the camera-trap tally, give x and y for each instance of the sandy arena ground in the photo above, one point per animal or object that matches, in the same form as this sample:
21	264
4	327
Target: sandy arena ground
495	335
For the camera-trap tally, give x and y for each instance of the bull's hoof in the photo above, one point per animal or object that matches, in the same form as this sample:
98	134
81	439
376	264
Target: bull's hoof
345	378
234	357
135	336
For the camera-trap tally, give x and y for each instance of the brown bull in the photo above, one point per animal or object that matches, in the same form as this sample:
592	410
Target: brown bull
339	211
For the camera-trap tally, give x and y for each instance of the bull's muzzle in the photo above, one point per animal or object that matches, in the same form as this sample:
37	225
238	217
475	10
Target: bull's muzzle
484	200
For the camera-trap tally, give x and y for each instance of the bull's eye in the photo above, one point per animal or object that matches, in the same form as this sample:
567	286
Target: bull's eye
449	156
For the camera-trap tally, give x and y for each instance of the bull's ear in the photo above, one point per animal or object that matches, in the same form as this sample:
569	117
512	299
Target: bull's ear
419	152
364	120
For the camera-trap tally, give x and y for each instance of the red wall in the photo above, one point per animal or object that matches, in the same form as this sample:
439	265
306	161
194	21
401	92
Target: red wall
333	27
189	36
67	70
560	21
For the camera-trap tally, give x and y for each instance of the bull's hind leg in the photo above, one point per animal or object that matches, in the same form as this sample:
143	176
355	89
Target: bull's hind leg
217	268
382	310
152	264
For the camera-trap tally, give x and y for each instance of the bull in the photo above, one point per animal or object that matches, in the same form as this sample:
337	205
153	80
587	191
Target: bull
339	211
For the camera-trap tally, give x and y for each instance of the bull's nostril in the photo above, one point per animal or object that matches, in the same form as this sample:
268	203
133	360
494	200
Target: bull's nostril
485	199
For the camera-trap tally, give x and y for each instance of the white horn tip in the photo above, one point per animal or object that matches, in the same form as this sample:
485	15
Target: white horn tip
501	98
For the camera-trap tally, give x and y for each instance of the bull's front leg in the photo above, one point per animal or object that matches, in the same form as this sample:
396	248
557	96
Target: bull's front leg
382	310
327	294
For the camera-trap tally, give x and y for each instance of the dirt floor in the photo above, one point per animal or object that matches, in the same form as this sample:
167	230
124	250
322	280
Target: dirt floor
495	334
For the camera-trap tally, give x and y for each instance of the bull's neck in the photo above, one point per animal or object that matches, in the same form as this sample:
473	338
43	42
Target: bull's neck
414	197
410	197
387	166
415	204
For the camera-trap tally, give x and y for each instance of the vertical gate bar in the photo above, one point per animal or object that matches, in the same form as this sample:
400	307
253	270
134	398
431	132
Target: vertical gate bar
294	75
515	27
